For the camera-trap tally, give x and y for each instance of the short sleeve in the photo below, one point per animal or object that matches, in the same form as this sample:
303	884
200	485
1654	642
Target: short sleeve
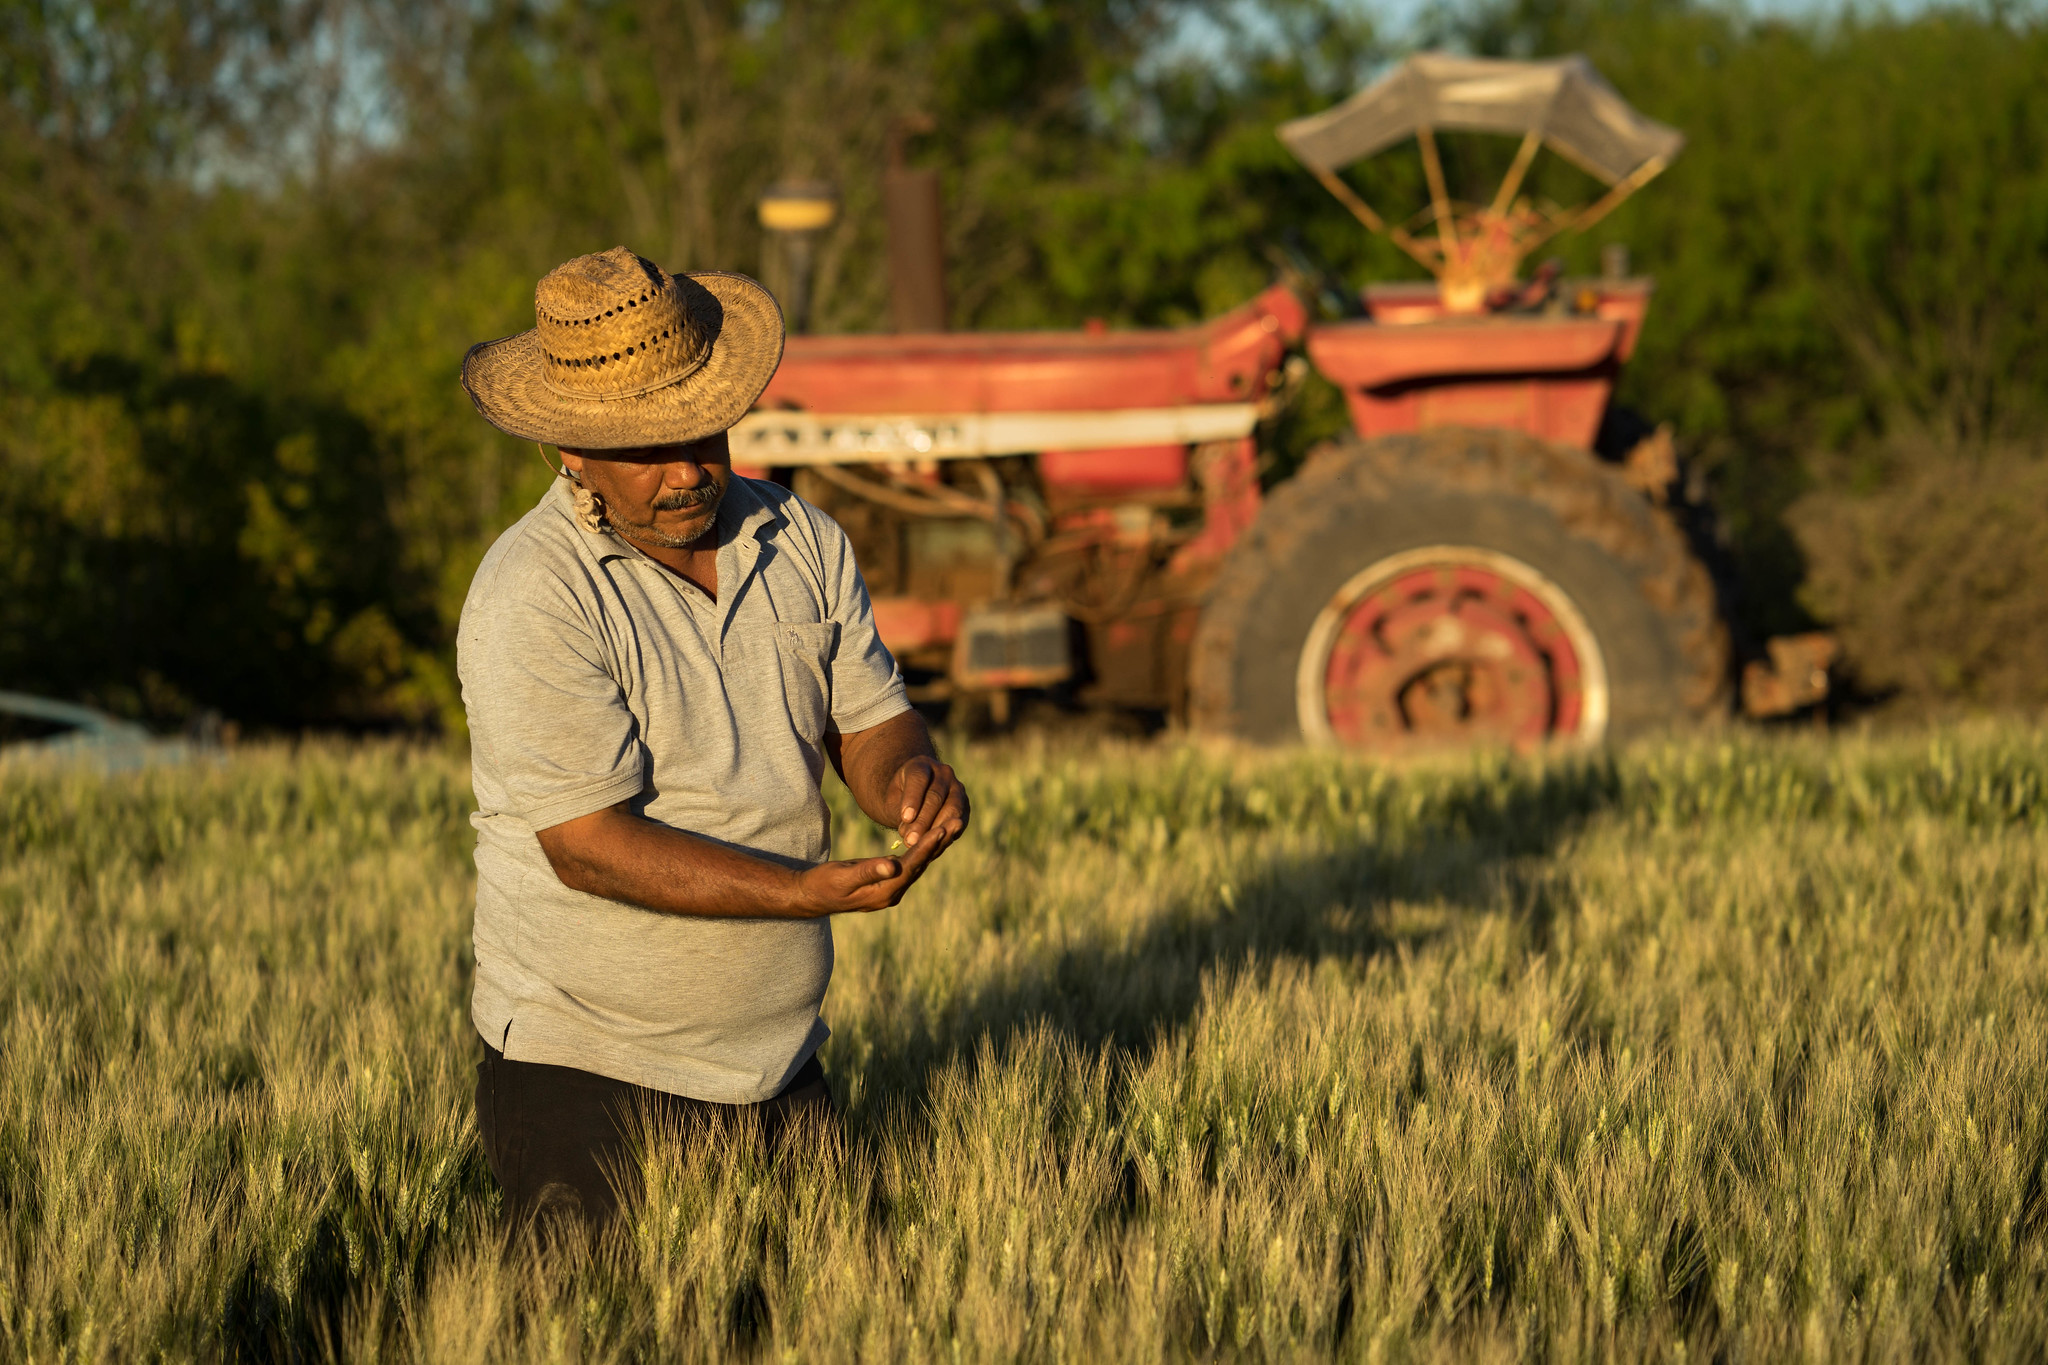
867	687
550	733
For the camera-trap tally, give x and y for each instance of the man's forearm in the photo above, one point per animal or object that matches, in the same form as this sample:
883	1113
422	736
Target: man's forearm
620	856
868	760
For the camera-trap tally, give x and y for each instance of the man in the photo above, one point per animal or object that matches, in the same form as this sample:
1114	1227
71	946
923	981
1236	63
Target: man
657	662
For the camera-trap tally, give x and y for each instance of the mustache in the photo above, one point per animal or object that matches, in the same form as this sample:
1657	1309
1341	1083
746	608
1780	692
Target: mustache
683	498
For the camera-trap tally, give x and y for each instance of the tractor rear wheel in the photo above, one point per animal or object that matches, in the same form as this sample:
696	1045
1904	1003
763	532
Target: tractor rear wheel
1452	588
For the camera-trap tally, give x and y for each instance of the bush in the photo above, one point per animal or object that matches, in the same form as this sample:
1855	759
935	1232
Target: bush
1937	579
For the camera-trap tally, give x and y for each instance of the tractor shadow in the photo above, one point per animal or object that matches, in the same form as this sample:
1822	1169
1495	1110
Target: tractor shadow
1482	853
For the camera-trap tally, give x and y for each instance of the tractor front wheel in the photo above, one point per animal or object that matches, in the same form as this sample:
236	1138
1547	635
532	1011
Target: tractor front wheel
1457	588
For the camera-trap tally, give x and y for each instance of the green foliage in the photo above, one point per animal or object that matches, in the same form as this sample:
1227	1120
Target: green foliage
1728	1050
238	471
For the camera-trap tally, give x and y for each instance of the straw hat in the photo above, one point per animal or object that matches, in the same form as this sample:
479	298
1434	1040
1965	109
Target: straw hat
625	354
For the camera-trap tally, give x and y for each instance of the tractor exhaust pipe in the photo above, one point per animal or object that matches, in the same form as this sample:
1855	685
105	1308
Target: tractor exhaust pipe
917	237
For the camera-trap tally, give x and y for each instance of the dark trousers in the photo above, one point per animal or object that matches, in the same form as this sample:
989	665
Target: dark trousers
559	1139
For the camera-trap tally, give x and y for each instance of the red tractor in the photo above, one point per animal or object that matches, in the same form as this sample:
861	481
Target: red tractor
1083	511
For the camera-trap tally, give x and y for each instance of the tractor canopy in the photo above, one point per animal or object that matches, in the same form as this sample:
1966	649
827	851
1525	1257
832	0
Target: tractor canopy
1565	102
1562	103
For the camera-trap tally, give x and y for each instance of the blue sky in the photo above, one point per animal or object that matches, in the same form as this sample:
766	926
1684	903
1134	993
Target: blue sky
1396	19
1395	16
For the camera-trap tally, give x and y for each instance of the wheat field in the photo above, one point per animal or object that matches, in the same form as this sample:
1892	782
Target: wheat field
1730	1049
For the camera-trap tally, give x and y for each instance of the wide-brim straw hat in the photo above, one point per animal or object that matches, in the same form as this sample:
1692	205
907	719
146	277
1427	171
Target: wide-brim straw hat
624	354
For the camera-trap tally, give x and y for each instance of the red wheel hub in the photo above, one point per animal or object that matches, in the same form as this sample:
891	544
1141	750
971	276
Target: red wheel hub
1452	653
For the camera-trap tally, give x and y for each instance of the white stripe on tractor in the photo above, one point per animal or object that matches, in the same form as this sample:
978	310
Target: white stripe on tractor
800	438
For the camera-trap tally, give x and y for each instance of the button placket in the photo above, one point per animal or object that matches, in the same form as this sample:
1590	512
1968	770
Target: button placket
735	574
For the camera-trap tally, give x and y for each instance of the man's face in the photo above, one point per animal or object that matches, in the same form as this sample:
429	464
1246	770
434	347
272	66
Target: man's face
658	495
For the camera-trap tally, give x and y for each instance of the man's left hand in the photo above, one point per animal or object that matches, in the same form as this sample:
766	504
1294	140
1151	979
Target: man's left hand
928	801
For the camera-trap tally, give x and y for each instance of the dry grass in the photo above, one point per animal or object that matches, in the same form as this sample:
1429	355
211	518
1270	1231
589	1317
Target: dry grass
1715	1051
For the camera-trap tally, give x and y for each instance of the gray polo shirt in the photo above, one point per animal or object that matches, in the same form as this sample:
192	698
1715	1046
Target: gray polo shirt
592	676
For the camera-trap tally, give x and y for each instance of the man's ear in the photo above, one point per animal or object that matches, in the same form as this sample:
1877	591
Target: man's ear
572	460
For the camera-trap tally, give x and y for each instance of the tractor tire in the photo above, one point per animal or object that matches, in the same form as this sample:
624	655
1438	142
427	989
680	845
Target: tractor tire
1454	588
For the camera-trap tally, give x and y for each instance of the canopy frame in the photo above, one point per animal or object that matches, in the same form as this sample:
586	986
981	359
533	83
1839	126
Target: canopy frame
1562	104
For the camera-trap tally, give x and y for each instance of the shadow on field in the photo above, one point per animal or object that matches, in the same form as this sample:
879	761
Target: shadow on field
1479	850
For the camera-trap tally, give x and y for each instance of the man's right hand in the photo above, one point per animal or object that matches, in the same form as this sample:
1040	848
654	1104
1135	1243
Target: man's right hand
861	885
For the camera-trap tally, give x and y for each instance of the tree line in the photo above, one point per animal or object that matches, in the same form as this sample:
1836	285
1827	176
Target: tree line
246	243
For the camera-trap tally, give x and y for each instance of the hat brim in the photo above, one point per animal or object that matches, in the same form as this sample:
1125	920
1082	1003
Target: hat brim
504	378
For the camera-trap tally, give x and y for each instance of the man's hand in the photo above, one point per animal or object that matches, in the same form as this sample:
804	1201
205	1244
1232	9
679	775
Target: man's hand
866	884
927	799
931	812
895	774
931	809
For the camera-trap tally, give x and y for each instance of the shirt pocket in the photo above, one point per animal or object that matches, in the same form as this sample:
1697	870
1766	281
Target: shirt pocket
806	649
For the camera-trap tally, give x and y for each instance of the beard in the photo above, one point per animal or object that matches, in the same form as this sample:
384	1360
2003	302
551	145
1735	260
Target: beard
681	499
